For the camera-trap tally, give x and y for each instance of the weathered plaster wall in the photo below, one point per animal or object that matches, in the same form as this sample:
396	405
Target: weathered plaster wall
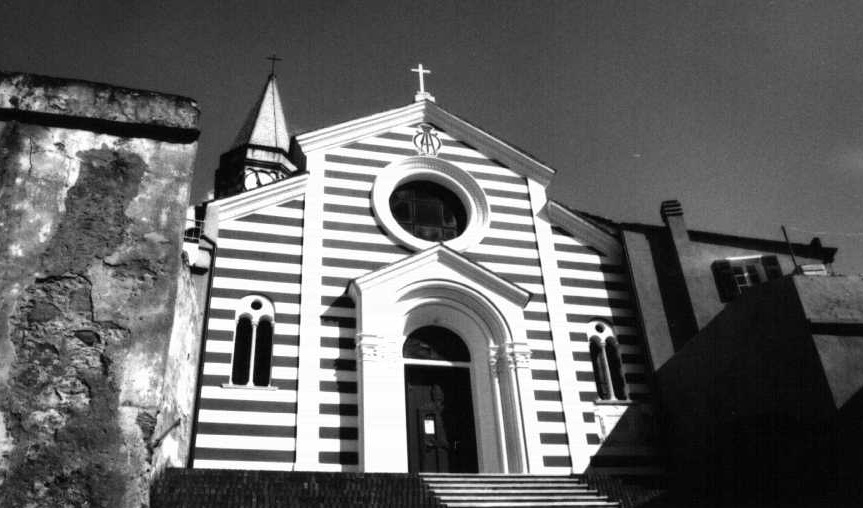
171	440
94	182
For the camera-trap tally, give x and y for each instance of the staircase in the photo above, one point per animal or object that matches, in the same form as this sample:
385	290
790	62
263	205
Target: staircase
513	491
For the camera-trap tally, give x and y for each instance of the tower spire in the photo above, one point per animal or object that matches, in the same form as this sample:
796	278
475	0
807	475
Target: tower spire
259	153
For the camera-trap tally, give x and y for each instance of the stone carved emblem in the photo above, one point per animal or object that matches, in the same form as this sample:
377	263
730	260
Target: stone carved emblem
426	140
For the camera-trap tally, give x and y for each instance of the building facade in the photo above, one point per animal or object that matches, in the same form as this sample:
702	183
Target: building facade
396	293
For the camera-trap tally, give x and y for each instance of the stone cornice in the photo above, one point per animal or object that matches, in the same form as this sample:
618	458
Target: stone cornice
98	107
489	145
583	230
353	130
247	202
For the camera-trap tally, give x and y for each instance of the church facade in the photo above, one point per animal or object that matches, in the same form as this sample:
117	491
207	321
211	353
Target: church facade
396	293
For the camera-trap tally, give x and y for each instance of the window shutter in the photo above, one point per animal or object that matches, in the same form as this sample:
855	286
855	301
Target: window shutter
724	280
771	267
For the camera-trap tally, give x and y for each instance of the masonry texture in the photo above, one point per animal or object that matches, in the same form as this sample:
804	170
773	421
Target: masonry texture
94	182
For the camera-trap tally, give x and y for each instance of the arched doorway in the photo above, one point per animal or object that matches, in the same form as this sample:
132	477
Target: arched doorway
438	287
439	407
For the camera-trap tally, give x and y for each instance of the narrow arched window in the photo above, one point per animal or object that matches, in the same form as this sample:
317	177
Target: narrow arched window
242	351
607	366
263	353
600	375
252	358
612	355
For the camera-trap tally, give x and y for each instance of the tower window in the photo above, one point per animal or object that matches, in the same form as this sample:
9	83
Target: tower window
607	366
251	360
428	211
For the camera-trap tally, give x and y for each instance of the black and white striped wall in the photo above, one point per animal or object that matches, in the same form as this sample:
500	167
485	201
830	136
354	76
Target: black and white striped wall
302	254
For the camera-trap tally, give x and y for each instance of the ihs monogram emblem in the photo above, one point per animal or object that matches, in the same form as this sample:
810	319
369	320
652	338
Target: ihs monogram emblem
426	140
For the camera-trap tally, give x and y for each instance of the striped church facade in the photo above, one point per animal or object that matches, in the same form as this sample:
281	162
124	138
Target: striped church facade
300	248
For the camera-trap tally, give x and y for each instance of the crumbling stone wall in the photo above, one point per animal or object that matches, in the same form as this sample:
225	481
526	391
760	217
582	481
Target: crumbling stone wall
94	182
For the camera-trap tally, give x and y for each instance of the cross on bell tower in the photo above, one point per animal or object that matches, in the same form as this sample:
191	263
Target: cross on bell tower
273	59
421	94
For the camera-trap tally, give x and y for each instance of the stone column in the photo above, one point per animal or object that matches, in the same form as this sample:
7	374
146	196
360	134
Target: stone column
381	393
518	365
500	418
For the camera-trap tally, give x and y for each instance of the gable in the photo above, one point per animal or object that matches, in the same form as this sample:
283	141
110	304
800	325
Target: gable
490	146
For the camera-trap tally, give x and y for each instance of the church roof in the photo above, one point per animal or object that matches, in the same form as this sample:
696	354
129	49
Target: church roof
600	232
265	124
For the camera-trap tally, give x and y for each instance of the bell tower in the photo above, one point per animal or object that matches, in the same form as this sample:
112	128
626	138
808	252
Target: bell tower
259	154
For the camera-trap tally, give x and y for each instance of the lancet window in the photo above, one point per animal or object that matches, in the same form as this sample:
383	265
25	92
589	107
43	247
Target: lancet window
251	360
607	366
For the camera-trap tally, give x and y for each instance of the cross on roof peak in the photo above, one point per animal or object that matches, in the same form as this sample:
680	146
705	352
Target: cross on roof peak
421	94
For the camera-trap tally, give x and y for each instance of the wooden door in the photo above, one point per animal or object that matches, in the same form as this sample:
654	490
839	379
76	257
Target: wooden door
440	420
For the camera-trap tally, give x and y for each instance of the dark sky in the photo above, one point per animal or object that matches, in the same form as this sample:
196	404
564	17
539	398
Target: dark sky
750	113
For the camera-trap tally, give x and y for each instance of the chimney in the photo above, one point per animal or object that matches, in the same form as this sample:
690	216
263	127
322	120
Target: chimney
672	215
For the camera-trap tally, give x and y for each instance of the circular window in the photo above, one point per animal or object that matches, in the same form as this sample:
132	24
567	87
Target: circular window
428	211
422	201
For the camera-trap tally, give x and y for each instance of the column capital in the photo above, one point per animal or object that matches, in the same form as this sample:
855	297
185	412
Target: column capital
375	348
516	355
494	359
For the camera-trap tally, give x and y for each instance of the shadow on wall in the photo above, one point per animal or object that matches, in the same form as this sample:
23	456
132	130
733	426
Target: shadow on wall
752	412
634	441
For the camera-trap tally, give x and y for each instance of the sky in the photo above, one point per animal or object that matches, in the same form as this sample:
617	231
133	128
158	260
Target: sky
749	113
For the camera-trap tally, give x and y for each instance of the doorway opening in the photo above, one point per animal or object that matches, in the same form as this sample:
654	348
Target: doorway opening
440	421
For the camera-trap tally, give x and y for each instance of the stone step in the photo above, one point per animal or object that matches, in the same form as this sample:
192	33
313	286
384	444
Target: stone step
486	486
493	476
513	491
507	490
502	481
504	485
547	497
528	504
